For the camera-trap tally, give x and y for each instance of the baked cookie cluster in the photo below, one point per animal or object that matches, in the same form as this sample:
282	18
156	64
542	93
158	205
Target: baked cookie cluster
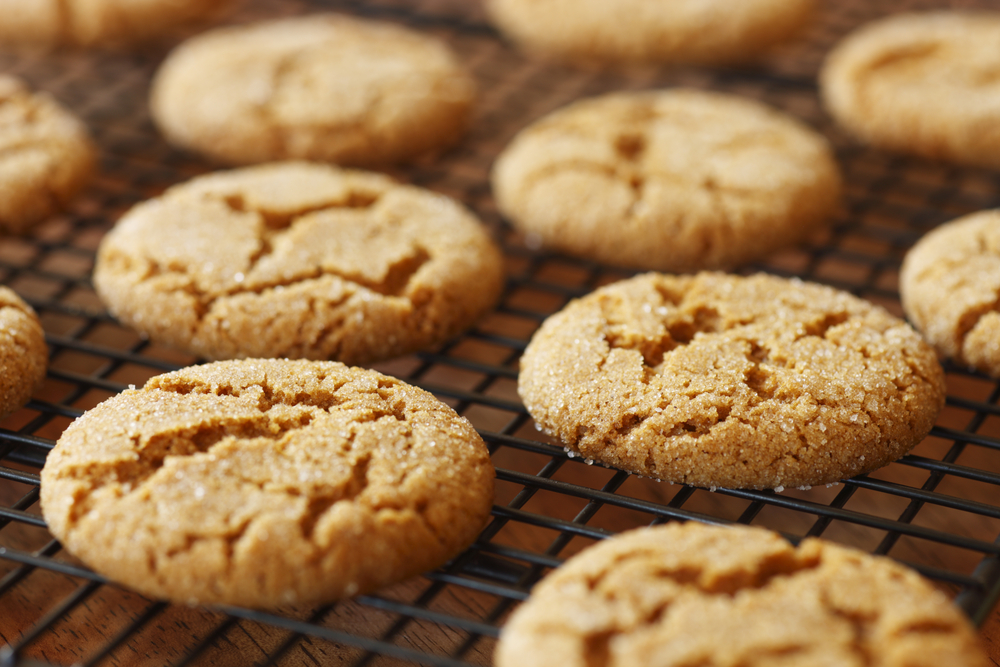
279	475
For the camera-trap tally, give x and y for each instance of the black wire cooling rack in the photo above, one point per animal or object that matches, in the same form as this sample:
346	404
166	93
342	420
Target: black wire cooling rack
937	509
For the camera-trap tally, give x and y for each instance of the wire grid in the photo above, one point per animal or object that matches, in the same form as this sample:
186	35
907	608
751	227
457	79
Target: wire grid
937	509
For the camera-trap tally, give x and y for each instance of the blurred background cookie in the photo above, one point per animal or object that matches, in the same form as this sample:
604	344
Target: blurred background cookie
922	83
46	155
692	594
673	180
320	87
298	260
678	31
23	353
949	284
99	23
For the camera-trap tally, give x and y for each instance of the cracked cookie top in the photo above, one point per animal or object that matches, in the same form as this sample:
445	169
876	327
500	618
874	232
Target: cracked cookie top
741	382
298	260
23	354
321	87
100	23
267	482
691	594
45	155
923	83
635	31
950	288
675	180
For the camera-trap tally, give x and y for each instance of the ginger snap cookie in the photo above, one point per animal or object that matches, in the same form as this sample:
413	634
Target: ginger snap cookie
949	285
23	354
46	155
674	180
679	31
921	83
691	594
298	260
718	380
99	23
321	87
267	482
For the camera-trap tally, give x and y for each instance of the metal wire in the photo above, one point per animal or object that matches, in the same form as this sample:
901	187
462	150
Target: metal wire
937	509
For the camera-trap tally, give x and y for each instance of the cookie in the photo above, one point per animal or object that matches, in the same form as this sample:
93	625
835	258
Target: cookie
23	354
648	31
267	482
321	87
949	284
46	156
691	594
99	23
741	382
298	260
674	180
922	83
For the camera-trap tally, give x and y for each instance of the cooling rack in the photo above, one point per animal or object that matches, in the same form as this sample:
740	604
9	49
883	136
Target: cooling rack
938	509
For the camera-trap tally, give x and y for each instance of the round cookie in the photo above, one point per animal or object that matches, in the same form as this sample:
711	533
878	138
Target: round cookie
298	260
45	155
949	284
321	87
99	23
740	382
674	180
23	354
267	482
691	594
679	31
921	83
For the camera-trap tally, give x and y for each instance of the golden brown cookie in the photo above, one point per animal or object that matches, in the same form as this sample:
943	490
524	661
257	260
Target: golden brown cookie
673	180
950	288
99	23
45	155
23	354
679	31
691	594
922	83
321	87
721	380
298	260
267	482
